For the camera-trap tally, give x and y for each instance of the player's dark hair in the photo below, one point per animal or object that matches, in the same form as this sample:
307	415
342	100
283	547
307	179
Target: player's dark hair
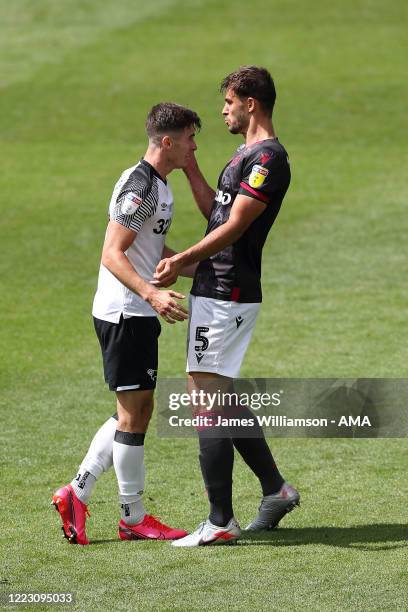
169	117
252	82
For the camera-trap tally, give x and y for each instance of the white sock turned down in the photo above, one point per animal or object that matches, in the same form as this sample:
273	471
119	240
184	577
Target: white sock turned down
98	459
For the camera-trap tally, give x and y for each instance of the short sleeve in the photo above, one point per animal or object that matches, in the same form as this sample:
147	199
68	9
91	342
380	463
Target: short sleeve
264	173
136	202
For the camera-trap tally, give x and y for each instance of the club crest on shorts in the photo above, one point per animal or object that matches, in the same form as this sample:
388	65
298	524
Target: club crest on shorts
258	176
152	374
130	204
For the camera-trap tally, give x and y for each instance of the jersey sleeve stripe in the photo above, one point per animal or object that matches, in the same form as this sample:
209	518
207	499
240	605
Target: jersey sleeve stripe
146	209
259	196
135	182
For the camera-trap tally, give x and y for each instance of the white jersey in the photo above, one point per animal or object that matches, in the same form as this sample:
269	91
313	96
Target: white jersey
143	202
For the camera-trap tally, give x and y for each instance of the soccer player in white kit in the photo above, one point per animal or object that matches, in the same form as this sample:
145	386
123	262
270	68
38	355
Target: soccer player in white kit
125	312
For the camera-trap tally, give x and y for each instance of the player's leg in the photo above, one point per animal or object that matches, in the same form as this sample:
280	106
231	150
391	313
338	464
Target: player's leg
97	460
220	333
279	497
256	453
117	343
134	411
216	453
211	322
130	360
216	461
70	501
210	327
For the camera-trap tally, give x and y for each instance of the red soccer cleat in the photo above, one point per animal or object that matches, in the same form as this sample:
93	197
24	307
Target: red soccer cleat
73	514
150	528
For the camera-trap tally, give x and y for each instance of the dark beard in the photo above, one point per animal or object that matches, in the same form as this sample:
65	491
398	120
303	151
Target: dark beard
240	126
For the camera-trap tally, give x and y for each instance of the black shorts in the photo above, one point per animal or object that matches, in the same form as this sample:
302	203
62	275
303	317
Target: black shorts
130	352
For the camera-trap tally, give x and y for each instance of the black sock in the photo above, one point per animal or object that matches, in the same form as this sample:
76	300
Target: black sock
216	461
257	455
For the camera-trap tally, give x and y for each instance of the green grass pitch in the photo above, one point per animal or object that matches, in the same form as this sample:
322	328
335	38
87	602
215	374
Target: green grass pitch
77	78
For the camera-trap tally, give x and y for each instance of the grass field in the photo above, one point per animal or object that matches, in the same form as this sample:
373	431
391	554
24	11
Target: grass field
77	78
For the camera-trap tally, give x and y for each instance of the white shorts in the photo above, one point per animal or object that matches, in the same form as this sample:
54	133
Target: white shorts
218	335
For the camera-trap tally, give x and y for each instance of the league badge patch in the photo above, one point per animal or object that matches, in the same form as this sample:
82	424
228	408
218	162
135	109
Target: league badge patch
130	204
258	176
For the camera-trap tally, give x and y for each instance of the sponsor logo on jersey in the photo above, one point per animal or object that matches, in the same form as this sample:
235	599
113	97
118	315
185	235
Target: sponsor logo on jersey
130	204
222	197
258	175
265	156
163	205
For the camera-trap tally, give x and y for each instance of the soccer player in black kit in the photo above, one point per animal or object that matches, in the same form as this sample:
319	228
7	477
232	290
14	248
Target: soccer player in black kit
226	296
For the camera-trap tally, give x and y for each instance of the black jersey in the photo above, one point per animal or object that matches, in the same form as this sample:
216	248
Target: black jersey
260	171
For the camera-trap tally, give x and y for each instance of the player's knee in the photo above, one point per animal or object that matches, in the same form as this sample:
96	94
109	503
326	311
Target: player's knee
127	422
137	419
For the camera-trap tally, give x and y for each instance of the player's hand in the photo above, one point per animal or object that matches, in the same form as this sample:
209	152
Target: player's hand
167	272
190	163
167	307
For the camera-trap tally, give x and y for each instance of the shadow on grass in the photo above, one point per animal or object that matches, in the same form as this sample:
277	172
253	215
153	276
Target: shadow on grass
372	538
362	537
105	541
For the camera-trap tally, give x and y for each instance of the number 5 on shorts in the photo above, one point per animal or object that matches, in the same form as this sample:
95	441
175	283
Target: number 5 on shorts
200	331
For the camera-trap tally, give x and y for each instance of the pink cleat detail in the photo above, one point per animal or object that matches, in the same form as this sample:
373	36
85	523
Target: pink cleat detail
73	514
150	528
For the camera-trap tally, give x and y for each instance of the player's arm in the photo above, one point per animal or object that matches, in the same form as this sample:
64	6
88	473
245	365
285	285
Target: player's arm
243	212
203	194
187	271
118	240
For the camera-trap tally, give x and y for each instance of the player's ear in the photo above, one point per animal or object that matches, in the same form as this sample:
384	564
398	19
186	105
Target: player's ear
250	105
166	142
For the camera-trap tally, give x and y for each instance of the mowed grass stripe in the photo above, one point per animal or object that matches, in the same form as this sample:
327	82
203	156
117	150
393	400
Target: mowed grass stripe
43	33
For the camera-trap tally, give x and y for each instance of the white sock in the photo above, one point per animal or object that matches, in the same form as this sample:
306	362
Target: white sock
128	461
83	485
98	459
132	513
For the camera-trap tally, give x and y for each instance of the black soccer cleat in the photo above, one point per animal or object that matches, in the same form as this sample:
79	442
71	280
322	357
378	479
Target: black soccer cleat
274	507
